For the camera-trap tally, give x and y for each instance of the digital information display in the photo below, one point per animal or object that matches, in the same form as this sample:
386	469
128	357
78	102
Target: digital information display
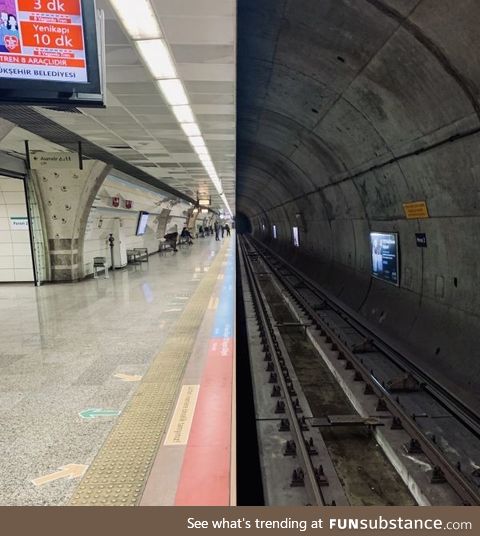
43	40
49	45
142	223
385	257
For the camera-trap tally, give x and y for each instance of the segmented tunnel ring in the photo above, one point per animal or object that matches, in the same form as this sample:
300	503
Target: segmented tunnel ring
119	472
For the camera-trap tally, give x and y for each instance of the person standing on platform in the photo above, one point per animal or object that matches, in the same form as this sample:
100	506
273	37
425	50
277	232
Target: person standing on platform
227	228
217	231
223	230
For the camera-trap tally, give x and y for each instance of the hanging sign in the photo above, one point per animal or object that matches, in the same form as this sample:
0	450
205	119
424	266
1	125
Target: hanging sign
54	161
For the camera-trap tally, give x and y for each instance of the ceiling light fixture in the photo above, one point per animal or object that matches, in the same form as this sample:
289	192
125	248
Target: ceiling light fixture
183	114
201	151
197	141
191	129
157	57
139	21
144	29
173	92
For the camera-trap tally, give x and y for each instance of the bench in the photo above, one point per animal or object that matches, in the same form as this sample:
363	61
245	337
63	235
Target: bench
142	254
132	257
163	247
99	264
182	242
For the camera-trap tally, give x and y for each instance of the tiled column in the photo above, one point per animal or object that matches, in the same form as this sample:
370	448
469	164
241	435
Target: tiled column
66	197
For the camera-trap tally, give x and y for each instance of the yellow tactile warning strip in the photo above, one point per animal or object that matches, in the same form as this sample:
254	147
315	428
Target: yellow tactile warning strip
119	472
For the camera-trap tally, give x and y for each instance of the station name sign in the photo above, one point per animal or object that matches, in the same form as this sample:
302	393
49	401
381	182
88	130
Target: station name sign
51	43
54	161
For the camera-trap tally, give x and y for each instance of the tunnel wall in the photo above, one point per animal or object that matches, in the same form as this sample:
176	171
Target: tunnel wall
348	110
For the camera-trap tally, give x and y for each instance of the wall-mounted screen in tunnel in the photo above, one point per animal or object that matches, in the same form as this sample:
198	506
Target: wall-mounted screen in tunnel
274	231
142	223
385	265
296	237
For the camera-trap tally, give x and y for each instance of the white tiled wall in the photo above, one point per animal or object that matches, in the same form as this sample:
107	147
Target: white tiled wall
15	252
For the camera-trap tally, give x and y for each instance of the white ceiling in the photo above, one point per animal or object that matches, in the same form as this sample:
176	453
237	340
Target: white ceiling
138	126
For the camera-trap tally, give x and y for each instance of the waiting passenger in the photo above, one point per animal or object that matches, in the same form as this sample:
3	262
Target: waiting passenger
172	238
227	228
187	236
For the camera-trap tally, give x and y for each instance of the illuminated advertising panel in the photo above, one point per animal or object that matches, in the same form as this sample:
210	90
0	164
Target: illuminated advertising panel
296	237
48	51
142	223
384	250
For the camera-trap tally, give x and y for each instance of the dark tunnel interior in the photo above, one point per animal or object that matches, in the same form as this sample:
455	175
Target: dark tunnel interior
344	116
243	223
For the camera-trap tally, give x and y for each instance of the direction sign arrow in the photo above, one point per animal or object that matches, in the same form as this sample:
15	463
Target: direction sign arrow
93	413
128	377
70	471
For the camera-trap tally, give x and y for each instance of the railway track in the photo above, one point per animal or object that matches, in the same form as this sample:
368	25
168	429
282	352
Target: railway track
301	445
440	426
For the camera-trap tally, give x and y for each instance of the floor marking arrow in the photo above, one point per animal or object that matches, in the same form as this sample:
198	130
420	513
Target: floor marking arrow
93	413
128	377
70	471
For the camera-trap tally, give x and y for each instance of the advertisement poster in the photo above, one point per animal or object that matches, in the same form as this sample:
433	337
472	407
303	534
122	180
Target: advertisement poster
385	256
42	40
296	237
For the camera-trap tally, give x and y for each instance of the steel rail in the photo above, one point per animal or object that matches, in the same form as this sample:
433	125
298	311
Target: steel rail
454	477
468	416
313	489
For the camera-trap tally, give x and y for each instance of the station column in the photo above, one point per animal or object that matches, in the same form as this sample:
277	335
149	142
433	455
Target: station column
65	198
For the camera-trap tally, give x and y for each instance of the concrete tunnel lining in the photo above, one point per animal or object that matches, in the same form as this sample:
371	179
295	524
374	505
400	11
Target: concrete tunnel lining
365	106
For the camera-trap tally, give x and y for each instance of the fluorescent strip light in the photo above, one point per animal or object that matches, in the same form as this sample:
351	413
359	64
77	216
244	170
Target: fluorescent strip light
191	129
139	20
173	92
201	151
197	141
157	57
183	114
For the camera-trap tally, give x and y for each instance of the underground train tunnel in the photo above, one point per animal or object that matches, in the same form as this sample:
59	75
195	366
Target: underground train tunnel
347	111
357	172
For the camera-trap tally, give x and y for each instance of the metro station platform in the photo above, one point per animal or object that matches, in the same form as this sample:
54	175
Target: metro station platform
120	391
